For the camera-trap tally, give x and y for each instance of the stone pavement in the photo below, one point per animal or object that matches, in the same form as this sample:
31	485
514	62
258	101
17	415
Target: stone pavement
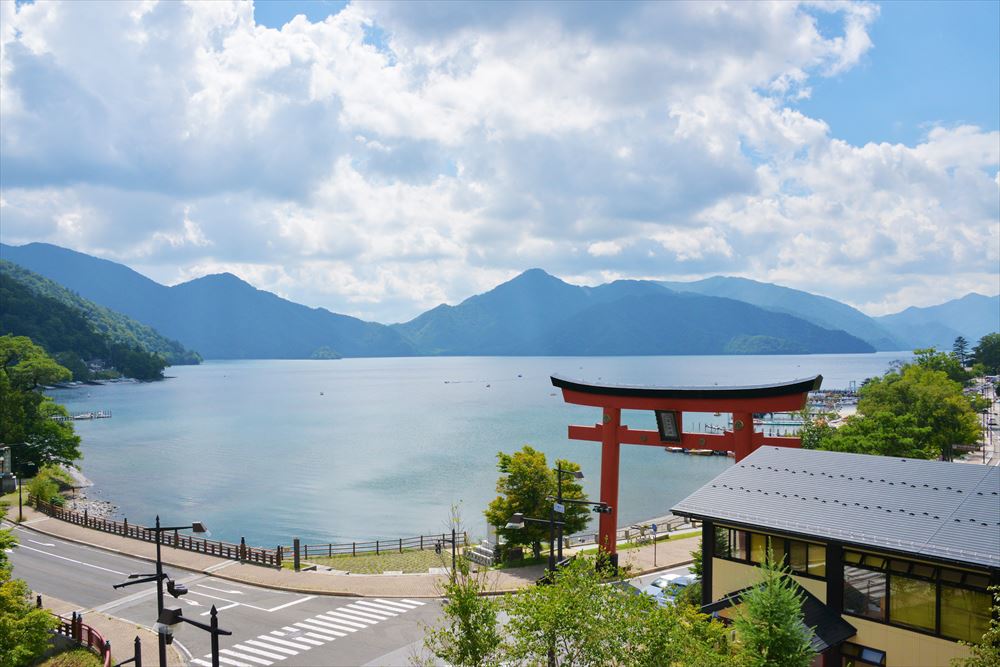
120	633
669	554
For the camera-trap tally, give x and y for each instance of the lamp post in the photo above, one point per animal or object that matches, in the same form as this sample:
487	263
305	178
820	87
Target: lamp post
174	589
576	474
171	616
517	522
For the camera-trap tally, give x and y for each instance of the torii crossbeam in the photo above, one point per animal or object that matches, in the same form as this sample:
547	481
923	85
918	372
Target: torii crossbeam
741	402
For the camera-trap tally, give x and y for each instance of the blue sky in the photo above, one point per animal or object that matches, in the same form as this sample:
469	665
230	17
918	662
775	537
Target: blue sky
380	158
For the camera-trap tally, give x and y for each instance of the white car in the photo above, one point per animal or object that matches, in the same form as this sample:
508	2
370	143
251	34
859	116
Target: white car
666	588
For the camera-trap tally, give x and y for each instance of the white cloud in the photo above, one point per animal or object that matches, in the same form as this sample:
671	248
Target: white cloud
397	155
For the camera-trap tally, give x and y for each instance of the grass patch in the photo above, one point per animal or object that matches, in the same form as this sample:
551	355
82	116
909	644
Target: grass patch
77	657
409	561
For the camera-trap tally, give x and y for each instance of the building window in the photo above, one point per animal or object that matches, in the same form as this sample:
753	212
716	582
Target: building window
802	558
758	547
965	613
817	560
730	543
912	603
797	557
857	655
864	592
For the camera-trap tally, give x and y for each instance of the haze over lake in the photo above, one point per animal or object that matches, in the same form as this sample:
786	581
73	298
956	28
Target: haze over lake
367	448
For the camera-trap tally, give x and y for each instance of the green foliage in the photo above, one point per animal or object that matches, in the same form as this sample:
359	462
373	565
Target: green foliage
470	633
960	350
24	630
25	414
883	434
987	353
324	352
525	483
932	360
769	625
986	652
42	489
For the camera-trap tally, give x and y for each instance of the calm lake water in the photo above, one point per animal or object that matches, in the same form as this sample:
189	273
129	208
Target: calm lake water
372	448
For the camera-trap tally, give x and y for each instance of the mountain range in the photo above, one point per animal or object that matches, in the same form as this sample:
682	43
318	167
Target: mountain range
535	313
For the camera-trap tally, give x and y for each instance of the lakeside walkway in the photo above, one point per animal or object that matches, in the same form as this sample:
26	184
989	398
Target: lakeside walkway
670	553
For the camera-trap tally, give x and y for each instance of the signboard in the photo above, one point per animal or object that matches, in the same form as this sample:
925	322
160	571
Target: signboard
654	529
558	507
667	424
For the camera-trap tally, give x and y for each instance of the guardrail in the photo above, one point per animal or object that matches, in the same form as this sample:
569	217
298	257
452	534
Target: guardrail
398	545
240	552
75	629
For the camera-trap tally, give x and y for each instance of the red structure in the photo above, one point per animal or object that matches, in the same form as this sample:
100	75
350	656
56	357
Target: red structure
670	403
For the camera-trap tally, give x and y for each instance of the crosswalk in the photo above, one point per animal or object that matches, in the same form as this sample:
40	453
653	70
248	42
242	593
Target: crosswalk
317	630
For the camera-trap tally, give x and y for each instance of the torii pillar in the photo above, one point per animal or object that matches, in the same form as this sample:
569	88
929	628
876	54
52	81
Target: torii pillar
741	402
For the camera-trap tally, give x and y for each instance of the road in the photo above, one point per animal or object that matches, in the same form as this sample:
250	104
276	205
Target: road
269	627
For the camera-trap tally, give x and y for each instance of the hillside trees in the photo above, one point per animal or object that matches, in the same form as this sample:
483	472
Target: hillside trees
25	414
524	485
24	630
987	353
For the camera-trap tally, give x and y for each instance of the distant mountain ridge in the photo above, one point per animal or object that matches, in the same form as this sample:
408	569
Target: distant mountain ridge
972	316
532	314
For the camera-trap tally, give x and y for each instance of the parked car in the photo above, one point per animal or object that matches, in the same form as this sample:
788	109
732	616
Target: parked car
666	588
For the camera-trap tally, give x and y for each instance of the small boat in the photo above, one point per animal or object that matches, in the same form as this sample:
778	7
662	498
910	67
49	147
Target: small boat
701	452
674	449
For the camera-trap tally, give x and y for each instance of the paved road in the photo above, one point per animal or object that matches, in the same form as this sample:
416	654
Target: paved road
269	627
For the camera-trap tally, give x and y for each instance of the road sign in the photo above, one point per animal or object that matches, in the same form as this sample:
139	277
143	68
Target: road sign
558	507
654	528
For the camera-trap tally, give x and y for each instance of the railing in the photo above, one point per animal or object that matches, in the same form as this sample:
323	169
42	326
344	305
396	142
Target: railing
75	629
240	552
397	545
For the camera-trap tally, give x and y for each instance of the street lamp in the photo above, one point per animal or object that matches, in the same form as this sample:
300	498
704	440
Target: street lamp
518	521
173	588
173	616
576	474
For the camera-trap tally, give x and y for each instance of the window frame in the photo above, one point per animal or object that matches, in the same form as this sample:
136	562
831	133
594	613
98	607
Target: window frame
731	538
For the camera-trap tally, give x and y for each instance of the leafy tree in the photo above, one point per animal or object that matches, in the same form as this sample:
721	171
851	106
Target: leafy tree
524	486
24	630
932	360
769	623
986	652
470	633
960	350
987	353
882	434
25	414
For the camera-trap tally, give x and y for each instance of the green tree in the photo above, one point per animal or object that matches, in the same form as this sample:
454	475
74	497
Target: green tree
24	630
525	485
469	634
932	360
987	353
769	623
26	414
960	350
883	434
986	652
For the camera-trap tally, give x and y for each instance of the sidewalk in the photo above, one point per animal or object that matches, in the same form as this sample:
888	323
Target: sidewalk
120	633
669	554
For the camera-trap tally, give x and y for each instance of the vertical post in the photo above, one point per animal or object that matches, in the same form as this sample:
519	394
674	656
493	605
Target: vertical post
243	548
38	601
707	554
376	548
295	554
20	507
401	545
452	552
215	636
559	472
552	537
742	434
610	449
159	593
137	651
280	554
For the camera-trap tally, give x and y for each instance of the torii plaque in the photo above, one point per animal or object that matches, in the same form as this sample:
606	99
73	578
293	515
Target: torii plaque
670	403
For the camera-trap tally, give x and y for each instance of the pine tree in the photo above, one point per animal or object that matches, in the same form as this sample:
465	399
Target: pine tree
960	350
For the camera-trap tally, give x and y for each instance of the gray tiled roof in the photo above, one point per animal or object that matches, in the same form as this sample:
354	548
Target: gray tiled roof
931	508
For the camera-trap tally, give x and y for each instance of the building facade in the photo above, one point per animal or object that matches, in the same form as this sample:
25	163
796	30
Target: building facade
896	555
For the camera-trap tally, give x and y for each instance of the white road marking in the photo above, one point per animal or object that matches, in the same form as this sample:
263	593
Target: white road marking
219	566
228	606
241	656
195	603
312	642
416	602
389	611
235	663
291	631
44	544
358	616
73	560
377	613
396	605
317	628
269	647
285	642
257	651
289	604
220	590
201	662
326	624
326	638
341	618
279	634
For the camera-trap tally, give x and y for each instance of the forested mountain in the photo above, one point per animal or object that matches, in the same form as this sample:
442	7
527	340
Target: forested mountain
973	316
819	310
67	331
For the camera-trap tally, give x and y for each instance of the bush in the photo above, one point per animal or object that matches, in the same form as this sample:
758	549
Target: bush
42	488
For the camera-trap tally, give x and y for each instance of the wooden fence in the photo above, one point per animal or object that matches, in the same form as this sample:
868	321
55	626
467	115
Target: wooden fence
240	552
397	545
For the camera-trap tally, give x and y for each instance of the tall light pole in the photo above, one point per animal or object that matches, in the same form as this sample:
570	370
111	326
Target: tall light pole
576	474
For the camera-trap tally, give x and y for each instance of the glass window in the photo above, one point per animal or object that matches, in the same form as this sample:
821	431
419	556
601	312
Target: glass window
852	557
777	545
797	557
738	543
952	576
923	571
877	562
977	580
758	547
817	560
912	603
864	592
722	548
965	614
855	654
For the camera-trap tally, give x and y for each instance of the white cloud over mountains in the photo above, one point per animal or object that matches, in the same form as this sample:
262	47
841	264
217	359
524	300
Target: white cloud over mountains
397	155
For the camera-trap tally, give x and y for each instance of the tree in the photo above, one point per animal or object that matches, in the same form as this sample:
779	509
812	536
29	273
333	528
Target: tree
524	486
26	414
932	360
769	623
986	652
470	633
987	353
882	434
960	350
24	630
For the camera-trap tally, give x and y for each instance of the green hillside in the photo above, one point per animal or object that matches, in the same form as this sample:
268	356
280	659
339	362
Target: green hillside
79	331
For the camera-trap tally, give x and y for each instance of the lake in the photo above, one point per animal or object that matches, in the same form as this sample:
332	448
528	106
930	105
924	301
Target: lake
372	448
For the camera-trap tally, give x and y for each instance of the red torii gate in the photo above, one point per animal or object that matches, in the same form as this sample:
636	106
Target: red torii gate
670	403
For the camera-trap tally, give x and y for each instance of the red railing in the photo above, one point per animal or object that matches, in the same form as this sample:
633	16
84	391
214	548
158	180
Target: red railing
74	628
240	552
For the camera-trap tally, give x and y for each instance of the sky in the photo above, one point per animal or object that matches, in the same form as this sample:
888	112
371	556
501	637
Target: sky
379	158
